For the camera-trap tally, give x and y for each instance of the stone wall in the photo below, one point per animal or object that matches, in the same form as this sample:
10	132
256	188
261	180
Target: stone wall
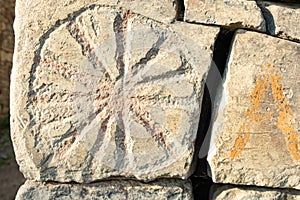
150	100
6	52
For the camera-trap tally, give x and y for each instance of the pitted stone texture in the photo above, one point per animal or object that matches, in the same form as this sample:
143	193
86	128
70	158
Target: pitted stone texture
160	10
235	13
107	92
283	20
252	193
113	190
255	137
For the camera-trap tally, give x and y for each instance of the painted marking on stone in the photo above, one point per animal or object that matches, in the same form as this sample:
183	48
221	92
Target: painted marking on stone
284	119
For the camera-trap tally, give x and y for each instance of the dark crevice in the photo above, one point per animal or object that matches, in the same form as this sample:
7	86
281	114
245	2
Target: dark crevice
235	26
294	3
270	23
217	188
268	17
201	188
180	9
200	178
284	36
232	26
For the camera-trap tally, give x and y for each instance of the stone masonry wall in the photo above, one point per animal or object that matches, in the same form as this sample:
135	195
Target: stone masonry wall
157	99
7	14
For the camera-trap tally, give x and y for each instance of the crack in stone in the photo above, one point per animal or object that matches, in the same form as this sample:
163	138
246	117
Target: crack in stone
268	18
180	10
286	2
222	48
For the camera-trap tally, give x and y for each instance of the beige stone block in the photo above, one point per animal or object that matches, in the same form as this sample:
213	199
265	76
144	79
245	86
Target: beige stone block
113	190
255	136
106	92
252	193
235	13
283	20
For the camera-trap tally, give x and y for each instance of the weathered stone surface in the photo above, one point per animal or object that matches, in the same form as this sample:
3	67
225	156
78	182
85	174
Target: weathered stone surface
160	10
255	137
106	92
114	190
237	13
282	20
252	193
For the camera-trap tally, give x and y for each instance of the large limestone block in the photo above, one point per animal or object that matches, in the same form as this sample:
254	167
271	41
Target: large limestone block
252	193
255	137
113	190
283	20
107	92
236	13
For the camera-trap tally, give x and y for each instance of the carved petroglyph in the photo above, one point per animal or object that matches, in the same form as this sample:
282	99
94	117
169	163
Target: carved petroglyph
113	93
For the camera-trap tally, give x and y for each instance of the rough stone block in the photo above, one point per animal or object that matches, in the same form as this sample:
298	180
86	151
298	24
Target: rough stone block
252	193
282	20
106	92
235	13
113	190
255	136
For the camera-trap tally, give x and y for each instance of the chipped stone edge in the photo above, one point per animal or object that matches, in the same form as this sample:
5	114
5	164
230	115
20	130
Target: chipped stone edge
216	190
42	187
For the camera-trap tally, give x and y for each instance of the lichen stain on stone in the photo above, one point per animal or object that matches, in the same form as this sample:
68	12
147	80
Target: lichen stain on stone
241	141
284	120
257	97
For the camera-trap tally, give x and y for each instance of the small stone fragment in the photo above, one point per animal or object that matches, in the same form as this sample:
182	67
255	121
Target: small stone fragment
282	20
252	193
113	190
255	136
235	13
107	92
